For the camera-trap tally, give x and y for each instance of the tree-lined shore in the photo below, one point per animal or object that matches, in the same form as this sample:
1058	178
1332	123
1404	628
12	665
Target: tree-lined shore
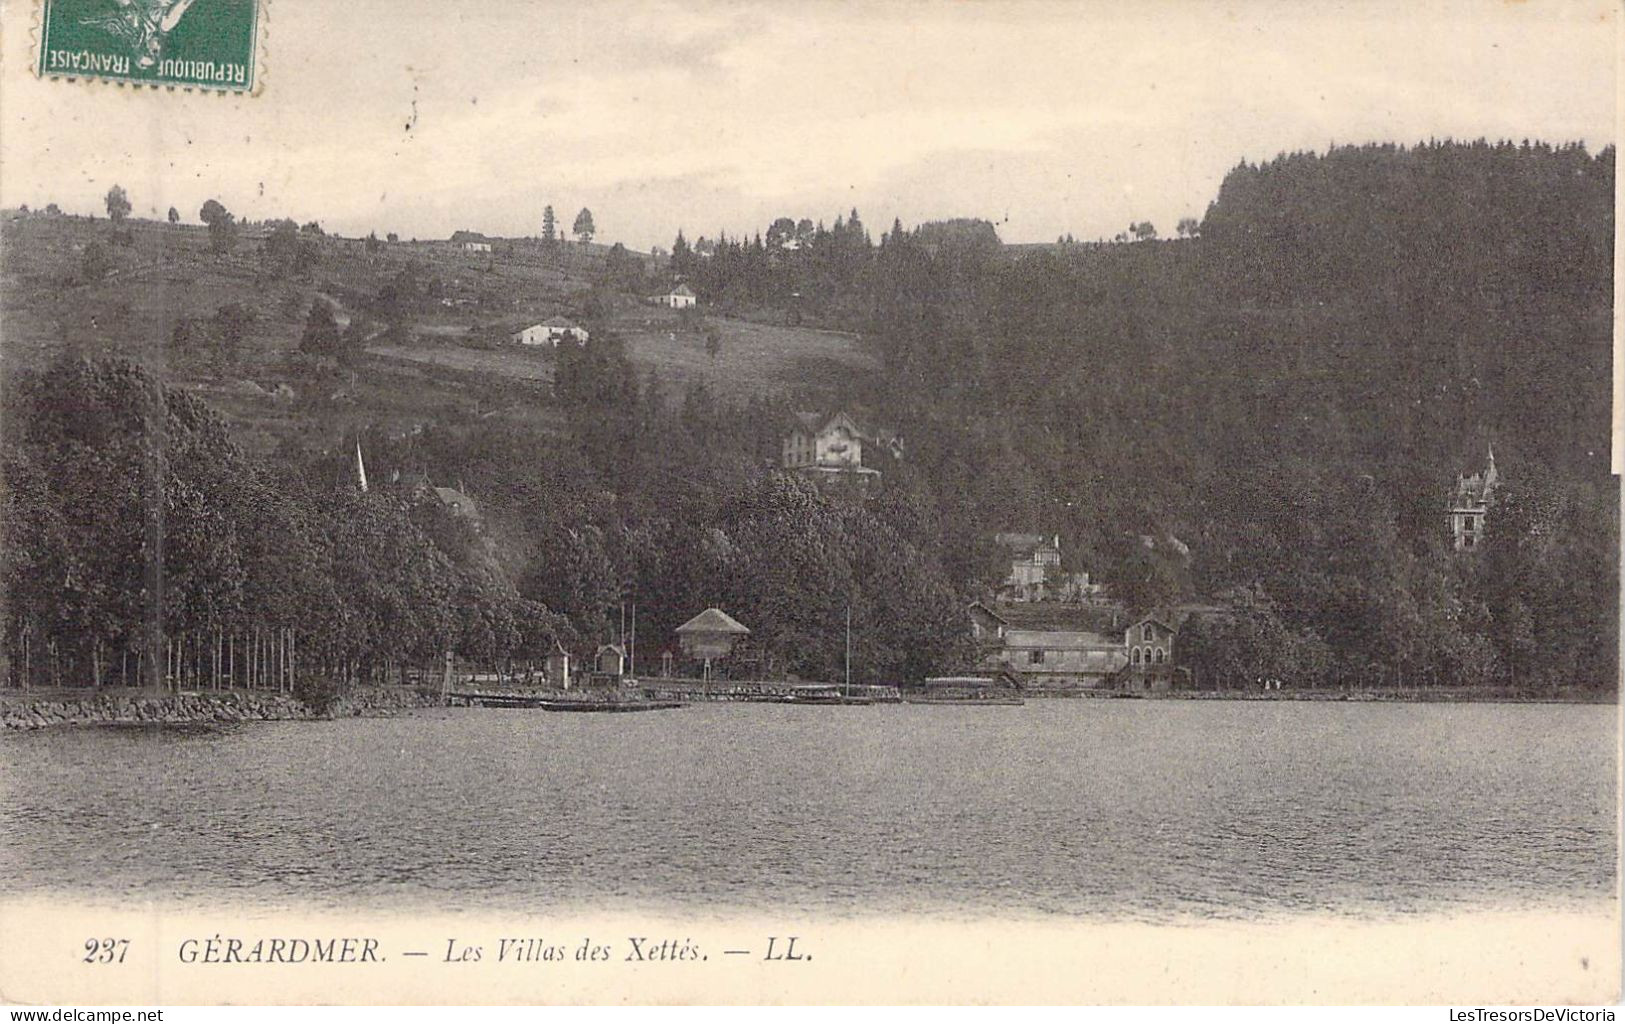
1266	413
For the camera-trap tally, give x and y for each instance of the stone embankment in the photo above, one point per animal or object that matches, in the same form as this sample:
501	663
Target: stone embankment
24	712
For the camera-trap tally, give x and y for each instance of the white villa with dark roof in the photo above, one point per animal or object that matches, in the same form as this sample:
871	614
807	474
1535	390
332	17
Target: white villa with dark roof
826	446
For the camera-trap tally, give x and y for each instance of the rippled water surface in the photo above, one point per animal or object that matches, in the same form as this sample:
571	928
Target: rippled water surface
1146	809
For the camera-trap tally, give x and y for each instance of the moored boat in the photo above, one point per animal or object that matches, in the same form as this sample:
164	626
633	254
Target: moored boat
823	693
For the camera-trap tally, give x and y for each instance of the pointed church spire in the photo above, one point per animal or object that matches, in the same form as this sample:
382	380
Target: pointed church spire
360	467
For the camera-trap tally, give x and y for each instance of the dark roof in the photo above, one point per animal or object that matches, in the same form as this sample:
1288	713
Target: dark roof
1049	615
682	289
613	648
453	498
468	236
1160	618
1026	542
974	605
816	422
712	620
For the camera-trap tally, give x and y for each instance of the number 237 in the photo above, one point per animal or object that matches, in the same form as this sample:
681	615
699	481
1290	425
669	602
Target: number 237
105	951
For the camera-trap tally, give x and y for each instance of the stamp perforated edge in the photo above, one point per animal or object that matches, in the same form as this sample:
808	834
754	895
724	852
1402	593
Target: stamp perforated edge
262	18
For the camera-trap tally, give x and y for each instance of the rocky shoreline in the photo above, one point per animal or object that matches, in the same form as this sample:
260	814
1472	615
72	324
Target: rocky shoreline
26	713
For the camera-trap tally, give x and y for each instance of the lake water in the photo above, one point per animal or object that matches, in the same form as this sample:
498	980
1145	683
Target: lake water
1151	810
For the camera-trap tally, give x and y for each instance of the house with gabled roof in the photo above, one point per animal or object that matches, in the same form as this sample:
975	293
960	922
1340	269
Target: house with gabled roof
610	661
680	297
457	502
825	447
552	331
1075	649
470	241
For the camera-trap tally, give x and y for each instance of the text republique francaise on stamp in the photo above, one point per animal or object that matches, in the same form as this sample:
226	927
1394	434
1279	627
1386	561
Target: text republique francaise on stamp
202	44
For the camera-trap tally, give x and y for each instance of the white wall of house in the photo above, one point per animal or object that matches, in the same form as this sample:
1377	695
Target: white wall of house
544	334
838	445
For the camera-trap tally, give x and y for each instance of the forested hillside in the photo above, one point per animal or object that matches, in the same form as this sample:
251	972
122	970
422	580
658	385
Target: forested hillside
1292	394
1289	395
1271	411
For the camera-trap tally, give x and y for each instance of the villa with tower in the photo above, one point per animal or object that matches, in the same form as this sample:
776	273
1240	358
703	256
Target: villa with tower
1471	504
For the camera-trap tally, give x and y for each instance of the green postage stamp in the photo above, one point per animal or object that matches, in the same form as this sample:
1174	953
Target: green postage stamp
200	44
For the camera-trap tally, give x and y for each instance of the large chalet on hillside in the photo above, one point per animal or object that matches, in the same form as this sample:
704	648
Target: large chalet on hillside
827	448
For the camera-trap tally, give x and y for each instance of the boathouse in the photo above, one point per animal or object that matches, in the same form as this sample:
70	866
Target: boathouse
710	634
1063	647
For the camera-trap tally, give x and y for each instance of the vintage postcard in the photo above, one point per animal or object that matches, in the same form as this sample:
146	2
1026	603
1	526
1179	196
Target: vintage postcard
895	502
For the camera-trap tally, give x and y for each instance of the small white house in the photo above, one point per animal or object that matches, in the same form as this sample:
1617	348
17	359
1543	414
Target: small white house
552	331
471	241
680	297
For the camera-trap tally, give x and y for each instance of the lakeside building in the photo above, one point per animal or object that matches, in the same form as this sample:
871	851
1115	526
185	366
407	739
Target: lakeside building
1470	505
710	635
557	667
610	661
1073	649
